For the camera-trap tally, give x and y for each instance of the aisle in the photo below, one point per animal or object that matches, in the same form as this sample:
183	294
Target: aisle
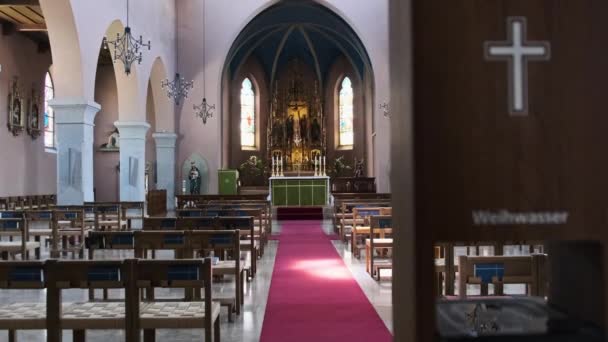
313	296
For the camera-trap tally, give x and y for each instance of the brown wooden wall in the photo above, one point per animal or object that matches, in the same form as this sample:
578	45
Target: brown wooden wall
470	154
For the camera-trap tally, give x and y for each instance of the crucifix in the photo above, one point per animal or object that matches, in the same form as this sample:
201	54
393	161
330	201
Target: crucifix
517	51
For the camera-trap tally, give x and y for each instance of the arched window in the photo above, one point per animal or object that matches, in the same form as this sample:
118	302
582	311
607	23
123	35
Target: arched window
346	137
49	115
247	114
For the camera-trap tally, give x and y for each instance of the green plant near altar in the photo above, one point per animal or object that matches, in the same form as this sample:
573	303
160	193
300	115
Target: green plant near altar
253	172
339	168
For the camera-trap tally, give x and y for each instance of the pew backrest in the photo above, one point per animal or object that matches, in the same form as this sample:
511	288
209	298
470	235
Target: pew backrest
22	275
159	223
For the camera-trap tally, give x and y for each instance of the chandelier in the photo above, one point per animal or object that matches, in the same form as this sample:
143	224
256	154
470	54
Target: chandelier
126	48
178	88
204	110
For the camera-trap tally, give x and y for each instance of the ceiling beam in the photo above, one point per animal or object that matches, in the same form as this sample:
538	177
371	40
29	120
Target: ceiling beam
19	3
31	27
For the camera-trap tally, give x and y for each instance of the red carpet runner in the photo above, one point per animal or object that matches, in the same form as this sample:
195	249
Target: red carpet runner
313	296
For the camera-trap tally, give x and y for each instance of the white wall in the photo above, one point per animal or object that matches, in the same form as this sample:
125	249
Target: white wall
224	21
25	167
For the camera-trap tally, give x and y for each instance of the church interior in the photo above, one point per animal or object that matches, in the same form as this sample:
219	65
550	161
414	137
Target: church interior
305	170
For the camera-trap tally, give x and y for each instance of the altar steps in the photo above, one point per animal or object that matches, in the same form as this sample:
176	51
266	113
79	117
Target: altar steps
253	190
299	213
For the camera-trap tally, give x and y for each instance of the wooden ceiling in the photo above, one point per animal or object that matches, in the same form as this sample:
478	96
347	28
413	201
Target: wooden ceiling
25	17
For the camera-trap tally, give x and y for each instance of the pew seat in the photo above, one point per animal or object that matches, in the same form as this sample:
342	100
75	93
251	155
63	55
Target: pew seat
176	315
378	264
23	316
12	248
93	315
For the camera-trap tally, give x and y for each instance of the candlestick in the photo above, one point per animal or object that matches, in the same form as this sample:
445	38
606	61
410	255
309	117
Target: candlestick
324	165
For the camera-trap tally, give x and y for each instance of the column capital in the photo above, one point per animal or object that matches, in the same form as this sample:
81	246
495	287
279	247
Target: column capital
132	129
74	110
165	139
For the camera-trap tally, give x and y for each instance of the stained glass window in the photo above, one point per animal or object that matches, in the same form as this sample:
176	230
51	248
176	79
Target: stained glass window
346	113
247	114
49	115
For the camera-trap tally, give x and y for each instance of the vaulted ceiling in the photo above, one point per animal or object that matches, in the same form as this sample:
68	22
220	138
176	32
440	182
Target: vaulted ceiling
298	29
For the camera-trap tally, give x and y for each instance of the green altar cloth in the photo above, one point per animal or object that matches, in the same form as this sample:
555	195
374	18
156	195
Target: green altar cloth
299	191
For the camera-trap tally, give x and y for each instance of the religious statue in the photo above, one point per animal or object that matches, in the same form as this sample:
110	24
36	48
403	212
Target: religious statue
289	128
359	169
195	180
17	112
315	131
113	141
277	133
304	128
34	117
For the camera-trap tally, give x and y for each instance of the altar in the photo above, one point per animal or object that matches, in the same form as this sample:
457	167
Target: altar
299	191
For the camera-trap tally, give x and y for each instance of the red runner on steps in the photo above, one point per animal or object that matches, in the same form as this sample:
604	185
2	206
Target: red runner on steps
313	296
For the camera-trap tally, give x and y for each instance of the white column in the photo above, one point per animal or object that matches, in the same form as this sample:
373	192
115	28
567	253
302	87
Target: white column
74	122
165	165
132	159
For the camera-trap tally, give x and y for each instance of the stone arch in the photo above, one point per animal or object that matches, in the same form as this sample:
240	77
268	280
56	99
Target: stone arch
164	111
65	49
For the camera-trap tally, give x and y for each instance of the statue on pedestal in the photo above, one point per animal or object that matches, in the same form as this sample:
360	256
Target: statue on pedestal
359	169
195	180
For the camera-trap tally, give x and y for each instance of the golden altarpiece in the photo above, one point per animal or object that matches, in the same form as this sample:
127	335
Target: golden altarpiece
296	129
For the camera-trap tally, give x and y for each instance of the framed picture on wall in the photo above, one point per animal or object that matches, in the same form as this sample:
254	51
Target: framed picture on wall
33	115
16	109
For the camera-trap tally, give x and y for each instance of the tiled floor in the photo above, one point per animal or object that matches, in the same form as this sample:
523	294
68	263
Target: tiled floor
247	327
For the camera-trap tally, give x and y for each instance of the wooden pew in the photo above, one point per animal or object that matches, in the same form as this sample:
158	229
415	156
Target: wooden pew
202	242
159	223
354	195
107	216
263	205
39	217
446	263
131	211
13	227
343	218
155	240
381	231
363	215
187	273
129	314
22	275
260	232
79	317
244	224
68	225
500	270
192	201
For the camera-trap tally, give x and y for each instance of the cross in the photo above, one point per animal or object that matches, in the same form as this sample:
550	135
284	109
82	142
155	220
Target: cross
517	52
